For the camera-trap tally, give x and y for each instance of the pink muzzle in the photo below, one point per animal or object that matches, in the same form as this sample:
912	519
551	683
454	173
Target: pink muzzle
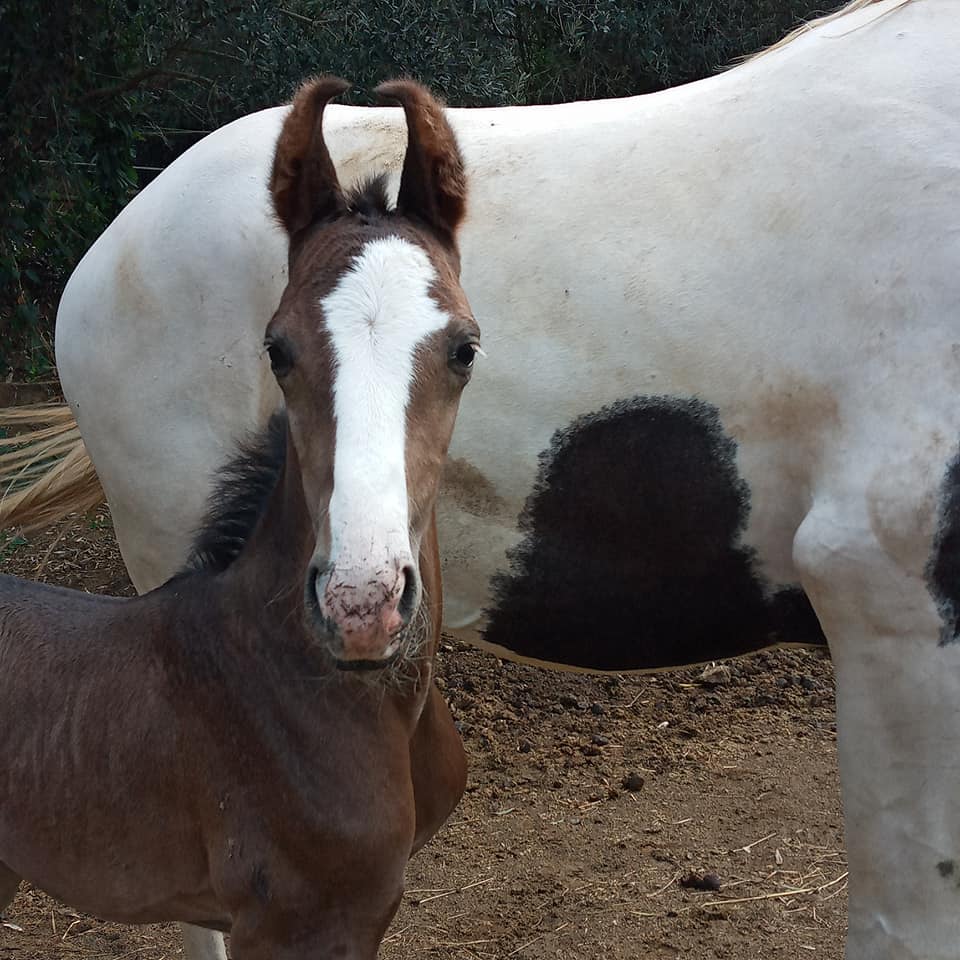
364	611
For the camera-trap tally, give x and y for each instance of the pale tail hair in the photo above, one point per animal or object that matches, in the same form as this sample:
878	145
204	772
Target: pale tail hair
45	470
819	22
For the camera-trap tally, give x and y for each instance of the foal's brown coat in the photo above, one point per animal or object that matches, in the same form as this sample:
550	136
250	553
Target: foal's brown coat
195	754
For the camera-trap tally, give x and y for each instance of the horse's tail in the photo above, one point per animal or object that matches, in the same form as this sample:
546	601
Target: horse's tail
45	470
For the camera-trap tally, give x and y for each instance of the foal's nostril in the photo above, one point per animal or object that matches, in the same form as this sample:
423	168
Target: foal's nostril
312	588
411	589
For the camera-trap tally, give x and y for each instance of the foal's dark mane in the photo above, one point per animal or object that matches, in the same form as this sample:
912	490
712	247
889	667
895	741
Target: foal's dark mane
239	497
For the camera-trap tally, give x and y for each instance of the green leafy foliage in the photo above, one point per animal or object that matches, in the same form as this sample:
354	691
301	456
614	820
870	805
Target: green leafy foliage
585	49
92	89
67	154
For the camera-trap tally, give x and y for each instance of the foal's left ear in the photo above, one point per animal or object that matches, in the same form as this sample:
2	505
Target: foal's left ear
303	181
433	185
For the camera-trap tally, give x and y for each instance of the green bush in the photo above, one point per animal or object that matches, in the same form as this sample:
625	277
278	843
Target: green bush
585	49
67	139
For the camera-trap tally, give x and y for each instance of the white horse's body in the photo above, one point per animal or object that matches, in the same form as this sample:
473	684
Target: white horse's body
725	318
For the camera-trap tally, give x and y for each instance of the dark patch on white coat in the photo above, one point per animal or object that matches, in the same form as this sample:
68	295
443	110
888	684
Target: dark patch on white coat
632	556
943	568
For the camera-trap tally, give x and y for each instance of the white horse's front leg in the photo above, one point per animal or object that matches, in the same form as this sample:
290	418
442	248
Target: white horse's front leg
202	944
898	720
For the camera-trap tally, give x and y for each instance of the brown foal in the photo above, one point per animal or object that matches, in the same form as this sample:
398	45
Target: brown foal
258	745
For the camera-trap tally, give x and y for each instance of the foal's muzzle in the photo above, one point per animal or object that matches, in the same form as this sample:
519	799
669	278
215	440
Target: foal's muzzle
361	616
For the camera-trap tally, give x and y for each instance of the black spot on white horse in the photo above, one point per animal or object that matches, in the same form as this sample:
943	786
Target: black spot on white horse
632	555
943	568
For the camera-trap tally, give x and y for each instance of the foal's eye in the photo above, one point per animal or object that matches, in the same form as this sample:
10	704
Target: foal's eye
464	354
280	360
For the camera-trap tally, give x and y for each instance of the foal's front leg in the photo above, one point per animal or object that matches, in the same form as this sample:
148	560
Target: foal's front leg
299	894
348	932
438	766
316	948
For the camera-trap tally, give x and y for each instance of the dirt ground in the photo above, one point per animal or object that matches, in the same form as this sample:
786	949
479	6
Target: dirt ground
593	805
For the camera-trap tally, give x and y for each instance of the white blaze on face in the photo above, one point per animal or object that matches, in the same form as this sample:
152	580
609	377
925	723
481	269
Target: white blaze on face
376	316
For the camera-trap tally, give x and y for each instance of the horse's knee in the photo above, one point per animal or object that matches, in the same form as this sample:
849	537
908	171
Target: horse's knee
863	559
9	883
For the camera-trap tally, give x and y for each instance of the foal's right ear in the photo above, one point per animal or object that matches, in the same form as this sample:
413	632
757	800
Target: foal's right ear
303	182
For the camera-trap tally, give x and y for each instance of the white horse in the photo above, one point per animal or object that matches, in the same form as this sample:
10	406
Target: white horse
721	407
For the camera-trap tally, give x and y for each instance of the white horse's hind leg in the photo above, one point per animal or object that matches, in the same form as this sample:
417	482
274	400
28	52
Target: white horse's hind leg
202	944
9	882
862	561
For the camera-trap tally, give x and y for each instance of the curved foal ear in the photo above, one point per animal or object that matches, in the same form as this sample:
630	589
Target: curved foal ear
303	181
433	185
